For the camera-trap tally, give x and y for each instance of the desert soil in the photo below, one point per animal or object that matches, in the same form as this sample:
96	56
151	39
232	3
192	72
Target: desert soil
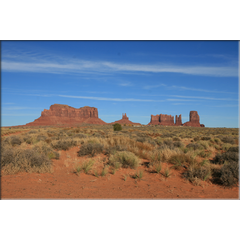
63	183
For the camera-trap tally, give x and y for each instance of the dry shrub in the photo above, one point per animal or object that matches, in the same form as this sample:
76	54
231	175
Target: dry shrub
205	138
13	140
167	153
227	139
113	149
29	160
178	144
199	172
43	148
227	175
180	160
90	149
41	138
194	146
231	155
176	139
63	144
124	159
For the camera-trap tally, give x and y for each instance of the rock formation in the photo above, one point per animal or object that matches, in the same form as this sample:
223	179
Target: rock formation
125	120
178	120
60	114
194	120
168	120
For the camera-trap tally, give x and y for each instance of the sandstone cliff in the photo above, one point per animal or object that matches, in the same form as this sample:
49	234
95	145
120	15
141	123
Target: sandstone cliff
60	114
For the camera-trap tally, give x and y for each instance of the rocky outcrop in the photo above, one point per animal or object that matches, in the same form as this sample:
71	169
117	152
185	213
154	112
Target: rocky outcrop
194	120
60	114
178	120
168	120
125	120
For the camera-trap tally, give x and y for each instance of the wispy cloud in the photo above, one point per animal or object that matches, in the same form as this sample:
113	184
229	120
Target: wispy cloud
112	99
185	88
225	105
19	114
57	65
154	86
199	90
18	108
181	100
206	98
125	84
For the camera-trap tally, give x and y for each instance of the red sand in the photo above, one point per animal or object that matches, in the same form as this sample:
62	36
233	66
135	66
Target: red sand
63	183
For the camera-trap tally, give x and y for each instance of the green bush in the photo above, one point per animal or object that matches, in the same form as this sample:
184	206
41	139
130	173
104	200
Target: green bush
117	127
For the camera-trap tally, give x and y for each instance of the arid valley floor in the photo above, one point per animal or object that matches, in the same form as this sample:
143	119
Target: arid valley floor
96	162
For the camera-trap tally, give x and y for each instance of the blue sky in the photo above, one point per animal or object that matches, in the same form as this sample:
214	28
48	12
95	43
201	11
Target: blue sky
139	78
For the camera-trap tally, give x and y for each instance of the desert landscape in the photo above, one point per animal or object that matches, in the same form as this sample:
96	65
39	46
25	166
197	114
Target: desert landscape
70	153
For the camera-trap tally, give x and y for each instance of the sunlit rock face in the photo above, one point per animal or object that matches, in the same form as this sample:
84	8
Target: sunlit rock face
64	114
194	120
168	120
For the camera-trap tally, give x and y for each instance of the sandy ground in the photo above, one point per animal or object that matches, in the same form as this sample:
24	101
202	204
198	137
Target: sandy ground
63	183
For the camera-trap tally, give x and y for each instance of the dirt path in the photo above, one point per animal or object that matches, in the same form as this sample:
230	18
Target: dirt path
63	183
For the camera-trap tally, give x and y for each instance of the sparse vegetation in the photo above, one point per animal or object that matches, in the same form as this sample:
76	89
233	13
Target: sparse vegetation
124	159
199	154
117	127
90	149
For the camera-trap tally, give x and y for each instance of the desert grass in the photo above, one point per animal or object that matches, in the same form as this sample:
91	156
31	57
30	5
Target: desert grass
138	175
124	159
183	148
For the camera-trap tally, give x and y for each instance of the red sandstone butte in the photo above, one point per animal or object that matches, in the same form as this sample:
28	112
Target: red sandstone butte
125	120
60	114
194	120
166	120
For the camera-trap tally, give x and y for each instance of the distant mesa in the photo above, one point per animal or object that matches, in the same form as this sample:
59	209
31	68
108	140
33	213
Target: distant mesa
168	120
60	114
125	120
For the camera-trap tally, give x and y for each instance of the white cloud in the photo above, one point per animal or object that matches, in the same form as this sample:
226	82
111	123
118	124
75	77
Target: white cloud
57	65
185	88
125	84
206	98
18	108
154	86
112	99
182	100
18	114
